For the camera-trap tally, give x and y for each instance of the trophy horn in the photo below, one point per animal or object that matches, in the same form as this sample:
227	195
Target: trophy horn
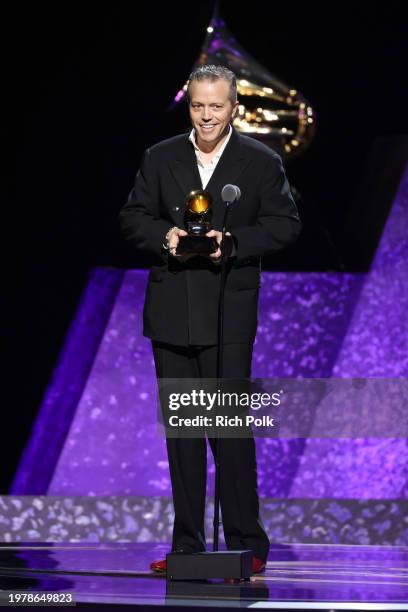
199	201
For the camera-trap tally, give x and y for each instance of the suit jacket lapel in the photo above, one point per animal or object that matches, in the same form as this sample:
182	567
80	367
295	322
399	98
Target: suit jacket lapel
184	168
227	171
229	166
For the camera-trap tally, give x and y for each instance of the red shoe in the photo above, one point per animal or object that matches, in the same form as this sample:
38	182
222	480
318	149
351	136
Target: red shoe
159	567
258	566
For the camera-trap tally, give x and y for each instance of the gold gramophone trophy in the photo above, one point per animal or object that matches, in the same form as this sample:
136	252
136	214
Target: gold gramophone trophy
197	222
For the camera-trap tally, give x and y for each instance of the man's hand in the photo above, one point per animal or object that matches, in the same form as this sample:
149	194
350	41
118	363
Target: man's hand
173	237
216	257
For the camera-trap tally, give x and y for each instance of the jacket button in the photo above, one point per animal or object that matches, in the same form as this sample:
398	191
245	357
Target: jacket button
175	208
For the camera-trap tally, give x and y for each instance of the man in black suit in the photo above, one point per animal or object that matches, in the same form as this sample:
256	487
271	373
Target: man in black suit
180	313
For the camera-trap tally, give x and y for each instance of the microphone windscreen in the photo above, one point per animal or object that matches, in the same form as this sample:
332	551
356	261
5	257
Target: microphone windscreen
230	193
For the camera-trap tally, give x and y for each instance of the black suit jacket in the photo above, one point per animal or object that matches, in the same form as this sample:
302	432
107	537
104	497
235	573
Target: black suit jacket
182	299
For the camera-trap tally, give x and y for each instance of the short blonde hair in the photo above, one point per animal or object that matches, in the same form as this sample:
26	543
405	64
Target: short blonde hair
214	73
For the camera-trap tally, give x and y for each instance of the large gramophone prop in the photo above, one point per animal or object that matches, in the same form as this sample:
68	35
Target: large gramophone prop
269	110
197	222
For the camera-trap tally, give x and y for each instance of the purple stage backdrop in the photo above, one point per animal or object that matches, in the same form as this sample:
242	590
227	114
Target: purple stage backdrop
310	325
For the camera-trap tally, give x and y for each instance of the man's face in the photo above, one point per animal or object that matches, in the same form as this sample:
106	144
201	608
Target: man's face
211	111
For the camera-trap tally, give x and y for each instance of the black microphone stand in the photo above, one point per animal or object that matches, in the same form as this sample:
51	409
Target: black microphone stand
220	354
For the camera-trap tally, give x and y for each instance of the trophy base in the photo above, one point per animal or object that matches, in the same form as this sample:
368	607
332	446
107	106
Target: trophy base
196	244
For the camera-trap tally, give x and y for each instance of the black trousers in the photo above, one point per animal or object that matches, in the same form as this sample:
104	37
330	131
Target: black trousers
187	457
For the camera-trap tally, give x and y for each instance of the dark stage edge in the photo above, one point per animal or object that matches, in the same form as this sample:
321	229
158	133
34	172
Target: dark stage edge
298	577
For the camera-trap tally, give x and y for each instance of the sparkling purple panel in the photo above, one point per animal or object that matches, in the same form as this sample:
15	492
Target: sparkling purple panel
302	321
64	391
112	447
377	340
309	325
150	519
376	345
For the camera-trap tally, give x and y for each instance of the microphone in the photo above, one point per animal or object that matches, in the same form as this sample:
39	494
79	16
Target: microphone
230	194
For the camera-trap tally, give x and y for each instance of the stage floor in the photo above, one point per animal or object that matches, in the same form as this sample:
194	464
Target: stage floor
298	577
